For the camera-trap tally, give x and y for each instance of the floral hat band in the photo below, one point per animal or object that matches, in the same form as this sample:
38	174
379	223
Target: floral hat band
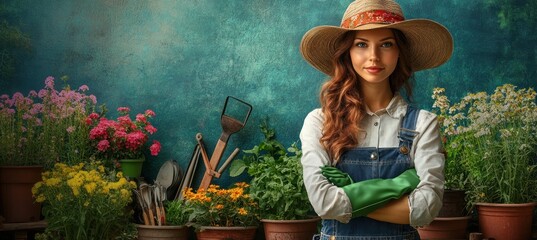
373	16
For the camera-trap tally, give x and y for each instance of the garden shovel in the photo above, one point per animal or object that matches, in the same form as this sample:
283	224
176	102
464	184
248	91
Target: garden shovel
230	125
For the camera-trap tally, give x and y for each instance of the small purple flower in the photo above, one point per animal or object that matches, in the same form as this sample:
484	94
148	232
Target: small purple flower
83	88
26	116
93	99
42	93
32	93
49	82
71	129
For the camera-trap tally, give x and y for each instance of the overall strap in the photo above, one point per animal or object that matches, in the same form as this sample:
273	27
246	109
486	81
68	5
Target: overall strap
411	117
407	131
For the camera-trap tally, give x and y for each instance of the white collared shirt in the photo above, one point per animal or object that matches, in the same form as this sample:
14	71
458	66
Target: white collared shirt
380	131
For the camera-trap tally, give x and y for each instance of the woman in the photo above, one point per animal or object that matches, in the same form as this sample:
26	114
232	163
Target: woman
373	165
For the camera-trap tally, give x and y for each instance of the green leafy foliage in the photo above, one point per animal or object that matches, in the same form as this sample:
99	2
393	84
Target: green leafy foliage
177	213
277	183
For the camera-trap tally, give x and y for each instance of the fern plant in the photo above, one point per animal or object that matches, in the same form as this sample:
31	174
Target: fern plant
277	184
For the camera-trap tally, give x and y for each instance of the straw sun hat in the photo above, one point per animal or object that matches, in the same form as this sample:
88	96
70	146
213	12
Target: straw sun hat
430	43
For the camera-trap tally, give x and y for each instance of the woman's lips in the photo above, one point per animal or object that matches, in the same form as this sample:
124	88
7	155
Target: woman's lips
374	69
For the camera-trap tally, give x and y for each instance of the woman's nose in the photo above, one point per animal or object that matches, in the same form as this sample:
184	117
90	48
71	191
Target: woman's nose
374	54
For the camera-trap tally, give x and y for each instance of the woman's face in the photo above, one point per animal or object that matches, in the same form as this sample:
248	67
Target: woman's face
374	54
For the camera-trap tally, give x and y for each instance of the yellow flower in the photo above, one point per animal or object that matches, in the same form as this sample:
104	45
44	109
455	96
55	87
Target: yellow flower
41	198
76	191
52	182
243	211
125	194
219	207
90	187
36	188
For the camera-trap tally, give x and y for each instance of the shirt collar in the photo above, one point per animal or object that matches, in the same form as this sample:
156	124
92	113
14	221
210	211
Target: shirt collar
396	108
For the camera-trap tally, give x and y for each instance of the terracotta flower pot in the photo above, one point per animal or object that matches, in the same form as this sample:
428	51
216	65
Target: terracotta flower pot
453	204
290	229
235	233
146	232
17	202
505	221
446	228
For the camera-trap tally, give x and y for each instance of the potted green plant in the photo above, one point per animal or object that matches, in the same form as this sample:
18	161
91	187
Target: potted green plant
456	175
278	187
37	130
218	213
497	134
453	219
85	201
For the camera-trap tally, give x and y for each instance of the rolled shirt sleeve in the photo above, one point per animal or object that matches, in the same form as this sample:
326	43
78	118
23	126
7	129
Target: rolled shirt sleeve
328	200
426	200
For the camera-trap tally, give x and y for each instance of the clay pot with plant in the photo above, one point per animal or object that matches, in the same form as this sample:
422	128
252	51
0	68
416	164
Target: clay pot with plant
278	187
499	132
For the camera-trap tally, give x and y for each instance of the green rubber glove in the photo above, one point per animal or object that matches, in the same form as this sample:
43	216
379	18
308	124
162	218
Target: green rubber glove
369	195
336	176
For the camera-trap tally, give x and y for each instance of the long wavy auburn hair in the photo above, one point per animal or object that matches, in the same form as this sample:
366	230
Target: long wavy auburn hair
341	103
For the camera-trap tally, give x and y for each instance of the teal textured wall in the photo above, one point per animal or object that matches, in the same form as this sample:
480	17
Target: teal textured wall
181	58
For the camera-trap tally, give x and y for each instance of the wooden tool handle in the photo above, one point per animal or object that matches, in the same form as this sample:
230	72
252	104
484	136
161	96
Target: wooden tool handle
146	219
215	158
151	216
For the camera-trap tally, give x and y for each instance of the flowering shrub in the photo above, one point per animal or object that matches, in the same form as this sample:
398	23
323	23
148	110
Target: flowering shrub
221	207
494	139
122	138
45	126
85	201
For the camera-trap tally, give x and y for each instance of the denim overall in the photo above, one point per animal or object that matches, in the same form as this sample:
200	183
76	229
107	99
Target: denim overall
366	163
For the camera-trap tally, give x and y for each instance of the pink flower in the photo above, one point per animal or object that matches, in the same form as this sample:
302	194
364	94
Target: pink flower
42	93
155	148
149	112
120	134
83	88
125	120
103	145
141	118
32	93
150	129
49	82
98	132
93	116
70	129
135	140
93	99
123	110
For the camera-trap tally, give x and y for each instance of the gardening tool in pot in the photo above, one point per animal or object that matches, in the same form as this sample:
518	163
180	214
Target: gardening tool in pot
230	125
146	194
168	177
141	203
158	196
186	181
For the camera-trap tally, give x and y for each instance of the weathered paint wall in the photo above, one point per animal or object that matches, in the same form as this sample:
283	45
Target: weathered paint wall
182	58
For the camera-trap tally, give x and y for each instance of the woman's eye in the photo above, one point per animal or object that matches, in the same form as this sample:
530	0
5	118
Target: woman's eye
361	44
387	44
